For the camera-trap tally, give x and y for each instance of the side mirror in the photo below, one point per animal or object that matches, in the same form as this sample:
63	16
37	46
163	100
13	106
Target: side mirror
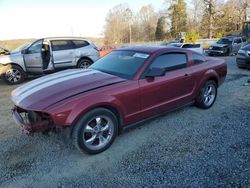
154	72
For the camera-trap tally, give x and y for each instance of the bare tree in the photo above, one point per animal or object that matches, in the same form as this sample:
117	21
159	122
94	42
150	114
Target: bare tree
117	27
147	21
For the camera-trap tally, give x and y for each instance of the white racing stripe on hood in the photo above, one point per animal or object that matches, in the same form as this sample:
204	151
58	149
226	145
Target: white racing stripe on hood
41	83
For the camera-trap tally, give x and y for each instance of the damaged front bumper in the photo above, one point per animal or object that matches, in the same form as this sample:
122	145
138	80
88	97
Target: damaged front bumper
31	122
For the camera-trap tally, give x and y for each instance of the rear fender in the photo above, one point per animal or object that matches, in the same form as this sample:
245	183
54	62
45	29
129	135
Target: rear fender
209	75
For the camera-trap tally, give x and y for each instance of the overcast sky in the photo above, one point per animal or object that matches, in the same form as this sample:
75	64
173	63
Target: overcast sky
42	18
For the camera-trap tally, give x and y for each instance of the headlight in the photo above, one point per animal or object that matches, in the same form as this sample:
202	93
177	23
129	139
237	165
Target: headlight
210	48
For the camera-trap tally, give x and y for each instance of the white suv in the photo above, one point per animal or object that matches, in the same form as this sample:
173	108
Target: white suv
46	55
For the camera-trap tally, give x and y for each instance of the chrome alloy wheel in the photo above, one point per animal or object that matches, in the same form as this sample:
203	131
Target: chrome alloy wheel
13	75
209	94
98	132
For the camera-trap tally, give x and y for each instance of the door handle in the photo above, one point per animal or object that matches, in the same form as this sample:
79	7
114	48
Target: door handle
186	74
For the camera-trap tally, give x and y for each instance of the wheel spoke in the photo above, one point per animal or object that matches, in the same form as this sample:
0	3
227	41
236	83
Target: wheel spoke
102	139
206	100
105	128
98	121
92	139
209	90
89	129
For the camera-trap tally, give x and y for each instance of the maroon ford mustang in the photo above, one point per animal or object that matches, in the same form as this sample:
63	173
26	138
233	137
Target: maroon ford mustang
127	86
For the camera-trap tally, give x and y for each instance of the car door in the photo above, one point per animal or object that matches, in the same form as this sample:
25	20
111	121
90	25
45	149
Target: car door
171	90
33	58
63	53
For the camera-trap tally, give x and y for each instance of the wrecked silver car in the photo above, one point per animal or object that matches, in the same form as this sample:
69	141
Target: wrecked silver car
46	55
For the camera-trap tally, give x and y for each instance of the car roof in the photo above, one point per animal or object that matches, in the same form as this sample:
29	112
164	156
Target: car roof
64	38
143	49
152	49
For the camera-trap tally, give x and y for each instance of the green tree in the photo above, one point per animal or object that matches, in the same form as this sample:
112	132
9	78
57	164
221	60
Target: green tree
160	28
178	16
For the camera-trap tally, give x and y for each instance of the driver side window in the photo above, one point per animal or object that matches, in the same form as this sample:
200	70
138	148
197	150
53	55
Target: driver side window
36	47
170	61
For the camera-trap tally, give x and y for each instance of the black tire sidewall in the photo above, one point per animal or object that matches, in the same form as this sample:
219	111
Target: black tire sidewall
9	67
199	100
77	131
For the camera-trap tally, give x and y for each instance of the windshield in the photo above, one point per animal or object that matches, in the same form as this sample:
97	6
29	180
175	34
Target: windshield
247	47
20	48
124	64
224	41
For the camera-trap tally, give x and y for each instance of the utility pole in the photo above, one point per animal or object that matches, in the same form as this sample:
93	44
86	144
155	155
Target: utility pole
129	17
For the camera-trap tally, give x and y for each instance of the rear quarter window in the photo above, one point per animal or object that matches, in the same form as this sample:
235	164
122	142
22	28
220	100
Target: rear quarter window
80	43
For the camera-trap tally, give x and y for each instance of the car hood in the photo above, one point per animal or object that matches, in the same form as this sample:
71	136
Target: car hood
48	90
6	59
220	45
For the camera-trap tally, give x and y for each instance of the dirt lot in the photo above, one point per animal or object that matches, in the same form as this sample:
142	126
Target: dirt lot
188	147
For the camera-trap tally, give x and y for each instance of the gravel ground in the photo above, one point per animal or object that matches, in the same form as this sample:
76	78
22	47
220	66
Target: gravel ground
186	148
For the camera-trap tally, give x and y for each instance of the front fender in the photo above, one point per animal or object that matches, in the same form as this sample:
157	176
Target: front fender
68	113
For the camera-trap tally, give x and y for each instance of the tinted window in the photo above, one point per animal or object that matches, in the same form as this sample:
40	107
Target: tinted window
124	64
61	45
35	47
238	40
197	58
170	61
80	43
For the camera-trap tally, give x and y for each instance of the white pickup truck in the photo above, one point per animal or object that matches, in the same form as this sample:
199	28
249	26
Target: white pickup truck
193	47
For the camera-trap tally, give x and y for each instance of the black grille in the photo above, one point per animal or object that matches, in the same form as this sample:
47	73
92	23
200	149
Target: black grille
216	48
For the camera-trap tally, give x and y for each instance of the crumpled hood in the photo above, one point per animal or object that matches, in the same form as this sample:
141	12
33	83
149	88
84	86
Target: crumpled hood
15	57
48	90
219	45
4	49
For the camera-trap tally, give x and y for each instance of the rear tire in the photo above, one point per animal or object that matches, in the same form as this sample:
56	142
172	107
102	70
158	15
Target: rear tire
13	74
207	95
84	63
95	131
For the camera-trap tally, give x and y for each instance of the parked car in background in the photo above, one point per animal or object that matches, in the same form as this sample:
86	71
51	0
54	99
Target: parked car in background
122	88
227	46
104	50
47	55
189	46
243	57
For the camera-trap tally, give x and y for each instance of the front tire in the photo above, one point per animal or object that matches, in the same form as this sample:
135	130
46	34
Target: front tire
95	131
13	74
207	95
